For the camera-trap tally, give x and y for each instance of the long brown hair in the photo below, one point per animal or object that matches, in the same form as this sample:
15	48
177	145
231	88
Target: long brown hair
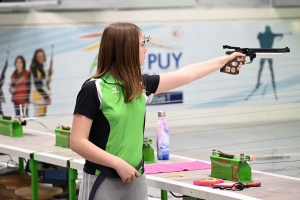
119	56
15	73
34	60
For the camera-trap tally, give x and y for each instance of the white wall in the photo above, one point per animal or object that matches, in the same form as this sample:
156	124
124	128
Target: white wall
189	18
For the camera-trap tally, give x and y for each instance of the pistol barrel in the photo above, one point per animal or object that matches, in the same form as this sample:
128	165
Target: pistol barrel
273	50
268	55
259	50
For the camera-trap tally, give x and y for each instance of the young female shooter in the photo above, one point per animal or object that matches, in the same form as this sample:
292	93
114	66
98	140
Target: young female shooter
108	121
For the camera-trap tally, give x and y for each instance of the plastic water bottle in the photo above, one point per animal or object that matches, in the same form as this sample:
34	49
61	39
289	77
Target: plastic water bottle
162	137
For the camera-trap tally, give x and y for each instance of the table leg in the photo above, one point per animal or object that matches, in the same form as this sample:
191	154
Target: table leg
34	178
164	195
72	183
21	166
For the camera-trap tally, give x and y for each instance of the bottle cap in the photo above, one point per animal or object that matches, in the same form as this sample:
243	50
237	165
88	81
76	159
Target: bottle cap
161	113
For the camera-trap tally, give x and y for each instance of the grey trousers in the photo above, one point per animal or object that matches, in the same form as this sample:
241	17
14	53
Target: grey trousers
114	189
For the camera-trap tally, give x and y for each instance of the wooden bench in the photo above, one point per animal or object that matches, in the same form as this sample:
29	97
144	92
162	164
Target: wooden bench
9	183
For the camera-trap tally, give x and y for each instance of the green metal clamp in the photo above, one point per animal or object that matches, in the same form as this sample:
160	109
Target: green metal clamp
148	151
62	138
226	166
11	126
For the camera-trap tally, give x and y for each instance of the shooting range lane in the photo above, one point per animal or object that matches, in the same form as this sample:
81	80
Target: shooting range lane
43	147
273	187
275	145
32	141
266	139
40	148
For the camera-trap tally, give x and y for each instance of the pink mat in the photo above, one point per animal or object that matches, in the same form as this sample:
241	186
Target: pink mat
176	167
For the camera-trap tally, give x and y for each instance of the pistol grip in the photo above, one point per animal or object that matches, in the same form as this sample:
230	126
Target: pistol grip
231	66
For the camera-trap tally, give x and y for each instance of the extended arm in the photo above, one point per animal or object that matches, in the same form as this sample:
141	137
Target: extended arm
278	35
192	72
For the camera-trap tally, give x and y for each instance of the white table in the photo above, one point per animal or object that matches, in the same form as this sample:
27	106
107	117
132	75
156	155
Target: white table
40	148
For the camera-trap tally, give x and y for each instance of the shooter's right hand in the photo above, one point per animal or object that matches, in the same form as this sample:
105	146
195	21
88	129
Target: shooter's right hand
126	171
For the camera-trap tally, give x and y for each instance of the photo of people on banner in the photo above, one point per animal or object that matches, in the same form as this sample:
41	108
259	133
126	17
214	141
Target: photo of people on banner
26	66
28	86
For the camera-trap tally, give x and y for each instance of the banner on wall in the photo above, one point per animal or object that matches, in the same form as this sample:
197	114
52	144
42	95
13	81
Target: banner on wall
72	50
